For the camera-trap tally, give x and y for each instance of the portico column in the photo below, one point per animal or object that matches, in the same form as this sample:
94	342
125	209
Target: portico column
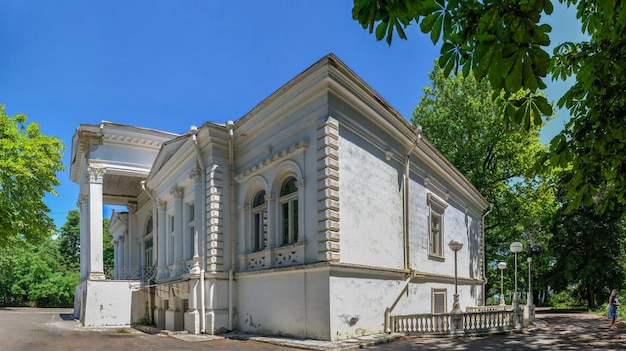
96	175
177	192
84	238
162	271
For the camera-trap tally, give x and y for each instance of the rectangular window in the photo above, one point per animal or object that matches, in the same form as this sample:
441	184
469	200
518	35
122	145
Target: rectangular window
147	253
437	208
190	245
260	231
439	301
435	234
289	217
170	248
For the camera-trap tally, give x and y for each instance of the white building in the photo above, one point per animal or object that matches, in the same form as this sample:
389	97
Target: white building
298	219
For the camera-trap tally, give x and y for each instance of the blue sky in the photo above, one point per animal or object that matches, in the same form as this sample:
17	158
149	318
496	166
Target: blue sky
171	64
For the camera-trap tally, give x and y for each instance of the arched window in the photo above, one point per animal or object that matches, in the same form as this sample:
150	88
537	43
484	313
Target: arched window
259	222
288	203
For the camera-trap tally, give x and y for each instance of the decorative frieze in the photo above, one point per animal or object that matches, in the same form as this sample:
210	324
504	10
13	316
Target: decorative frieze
274	159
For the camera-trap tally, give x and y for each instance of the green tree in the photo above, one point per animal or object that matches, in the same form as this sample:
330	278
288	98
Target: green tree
107	244
460	118
69	241
587	254
503	41
33	275
29	162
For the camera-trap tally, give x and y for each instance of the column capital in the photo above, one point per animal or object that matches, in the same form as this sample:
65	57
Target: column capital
196	175
160	205
132	208
96	174
176	191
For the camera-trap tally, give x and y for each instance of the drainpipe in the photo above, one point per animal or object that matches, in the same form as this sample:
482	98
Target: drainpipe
230	125
484	265
156	241
194	138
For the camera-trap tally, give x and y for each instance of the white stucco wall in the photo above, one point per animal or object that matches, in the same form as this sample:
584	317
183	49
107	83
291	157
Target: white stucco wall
370	208
107	303
292	303
358	305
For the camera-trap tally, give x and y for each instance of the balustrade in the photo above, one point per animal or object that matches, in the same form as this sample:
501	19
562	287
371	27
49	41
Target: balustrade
476	321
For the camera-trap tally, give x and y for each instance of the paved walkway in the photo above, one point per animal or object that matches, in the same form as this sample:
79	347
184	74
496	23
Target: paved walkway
55	329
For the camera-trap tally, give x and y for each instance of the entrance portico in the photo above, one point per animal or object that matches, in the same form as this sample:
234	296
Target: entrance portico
109	162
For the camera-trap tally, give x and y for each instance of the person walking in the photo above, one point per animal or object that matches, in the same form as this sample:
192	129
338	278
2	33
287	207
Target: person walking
613	303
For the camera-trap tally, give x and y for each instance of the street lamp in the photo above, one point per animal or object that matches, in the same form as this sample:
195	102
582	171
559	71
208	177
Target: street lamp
502	267
516	248
455	246
530	291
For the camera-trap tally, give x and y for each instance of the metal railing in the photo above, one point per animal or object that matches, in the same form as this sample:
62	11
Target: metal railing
141	273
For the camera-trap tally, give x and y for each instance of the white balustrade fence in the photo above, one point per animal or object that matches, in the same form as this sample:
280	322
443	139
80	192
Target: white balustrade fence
477	321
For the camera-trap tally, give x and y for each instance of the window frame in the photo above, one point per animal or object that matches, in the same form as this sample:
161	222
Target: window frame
436	211
259	222
290	201
434	292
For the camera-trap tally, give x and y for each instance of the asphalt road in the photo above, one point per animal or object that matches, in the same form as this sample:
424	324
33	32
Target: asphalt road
30	329
56	330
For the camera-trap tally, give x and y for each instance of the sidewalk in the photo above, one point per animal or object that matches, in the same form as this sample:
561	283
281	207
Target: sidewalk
318	345
304	344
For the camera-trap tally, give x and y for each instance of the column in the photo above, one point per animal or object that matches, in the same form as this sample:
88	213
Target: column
198	223
177	192
161	238
84	237
96	175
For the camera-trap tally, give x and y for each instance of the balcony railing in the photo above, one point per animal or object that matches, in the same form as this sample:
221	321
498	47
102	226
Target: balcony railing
141	273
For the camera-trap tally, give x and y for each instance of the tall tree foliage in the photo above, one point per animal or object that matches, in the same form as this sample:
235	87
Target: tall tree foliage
29	162
69	240
35	275
460	118
587	253
503	41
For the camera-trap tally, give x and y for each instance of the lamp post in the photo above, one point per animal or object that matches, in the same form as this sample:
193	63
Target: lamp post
455	246
530	291
516	248
502	267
